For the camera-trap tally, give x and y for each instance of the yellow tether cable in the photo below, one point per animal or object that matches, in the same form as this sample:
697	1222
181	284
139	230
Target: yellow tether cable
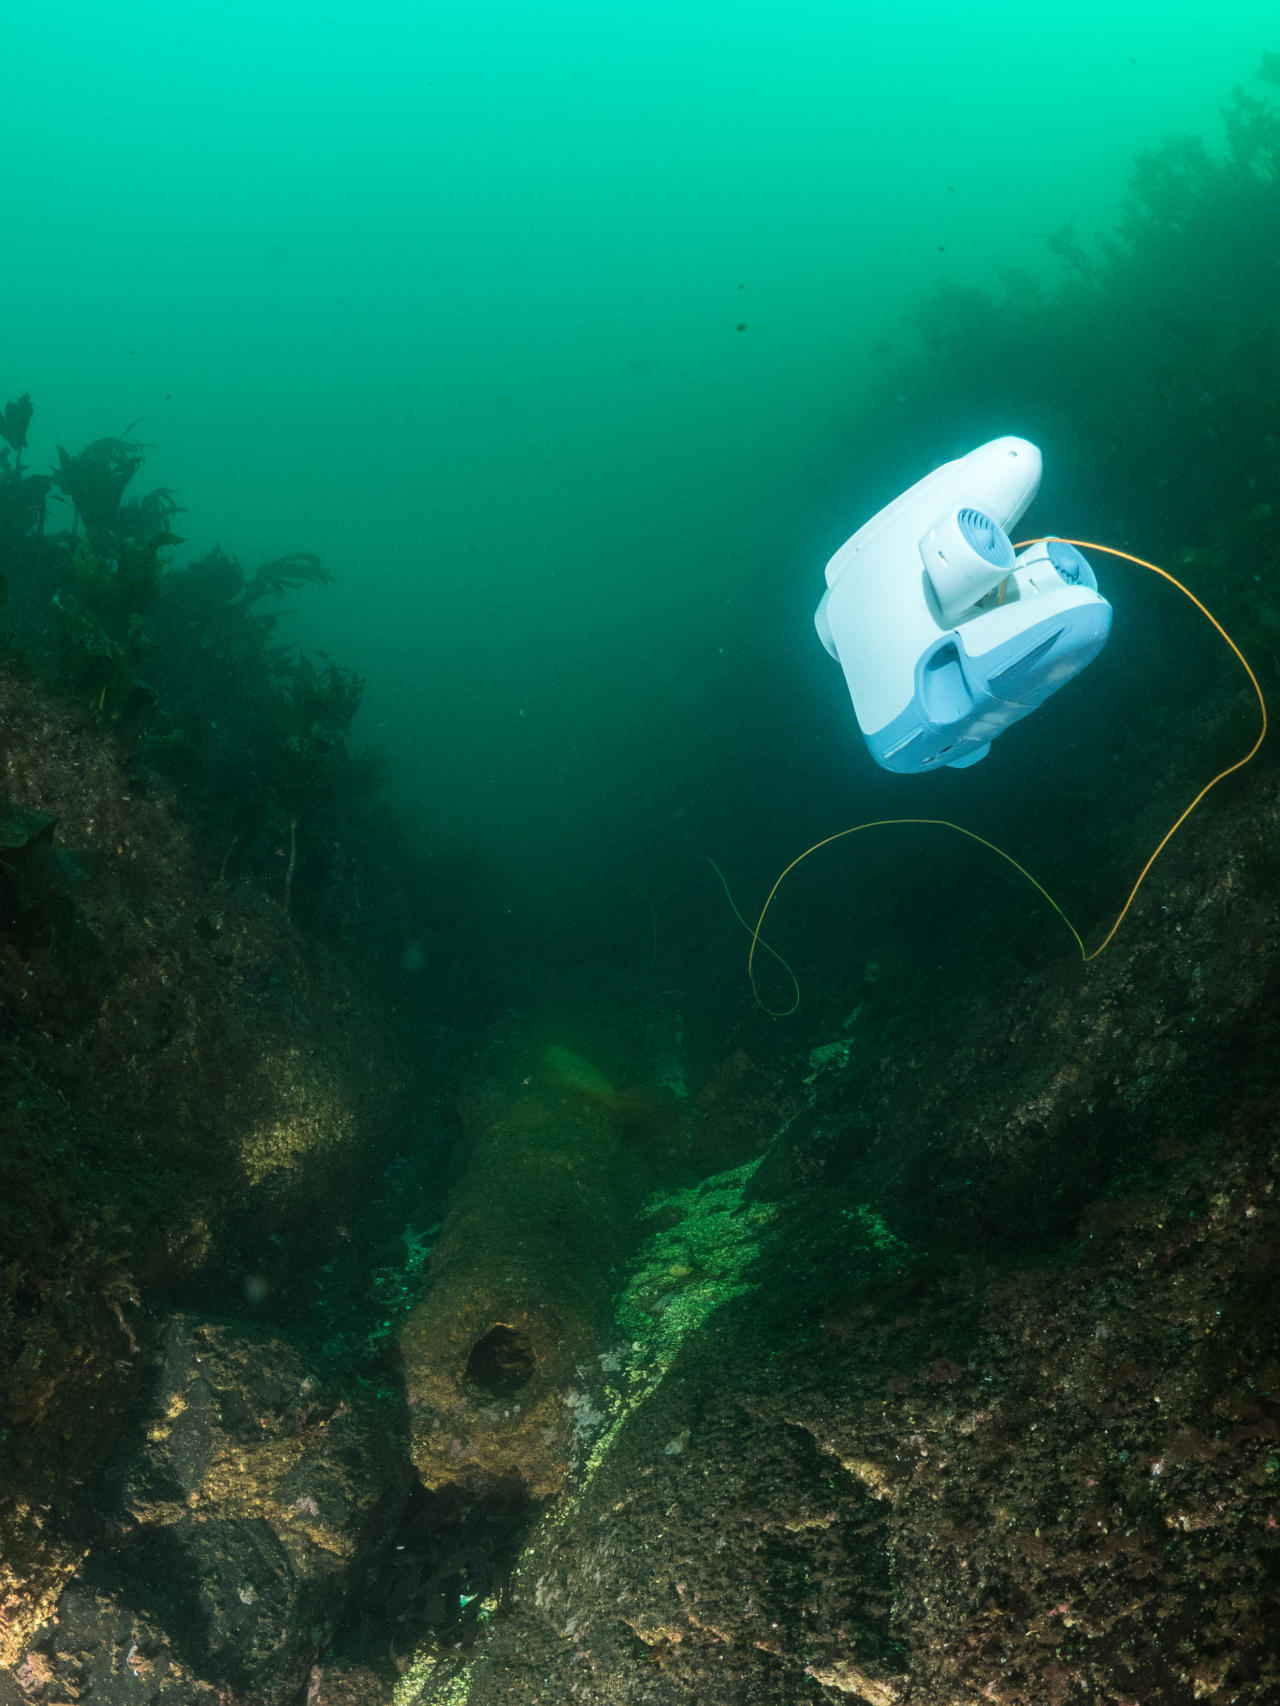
1085	545
944	823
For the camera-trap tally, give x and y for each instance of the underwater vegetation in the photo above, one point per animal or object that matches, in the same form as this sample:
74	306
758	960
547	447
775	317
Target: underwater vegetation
182	663
1153	362
204	1045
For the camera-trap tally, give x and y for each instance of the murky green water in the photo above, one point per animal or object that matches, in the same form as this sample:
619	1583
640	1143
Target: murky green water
551	331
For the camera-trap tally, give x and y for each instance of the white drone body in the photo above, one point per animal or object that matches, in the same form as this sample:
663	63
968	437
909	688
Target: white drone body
946	636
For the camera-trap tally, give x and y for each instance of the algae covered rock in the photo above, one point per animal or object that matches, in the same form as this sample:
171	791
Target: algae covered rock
193	1093
262	1485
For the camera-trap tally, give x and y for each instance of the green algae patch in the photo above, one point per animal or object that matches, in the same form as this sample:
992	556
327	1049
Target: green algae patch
709	1236
707	1239
432	1681
830	1057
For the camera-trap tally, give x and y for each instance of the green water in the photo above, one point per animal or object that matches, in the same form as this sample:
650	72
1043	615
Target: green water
548	330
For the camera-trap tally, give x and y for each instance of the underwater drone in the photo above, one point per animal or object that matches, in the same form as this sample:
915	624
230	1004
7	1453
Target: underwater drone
947	636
